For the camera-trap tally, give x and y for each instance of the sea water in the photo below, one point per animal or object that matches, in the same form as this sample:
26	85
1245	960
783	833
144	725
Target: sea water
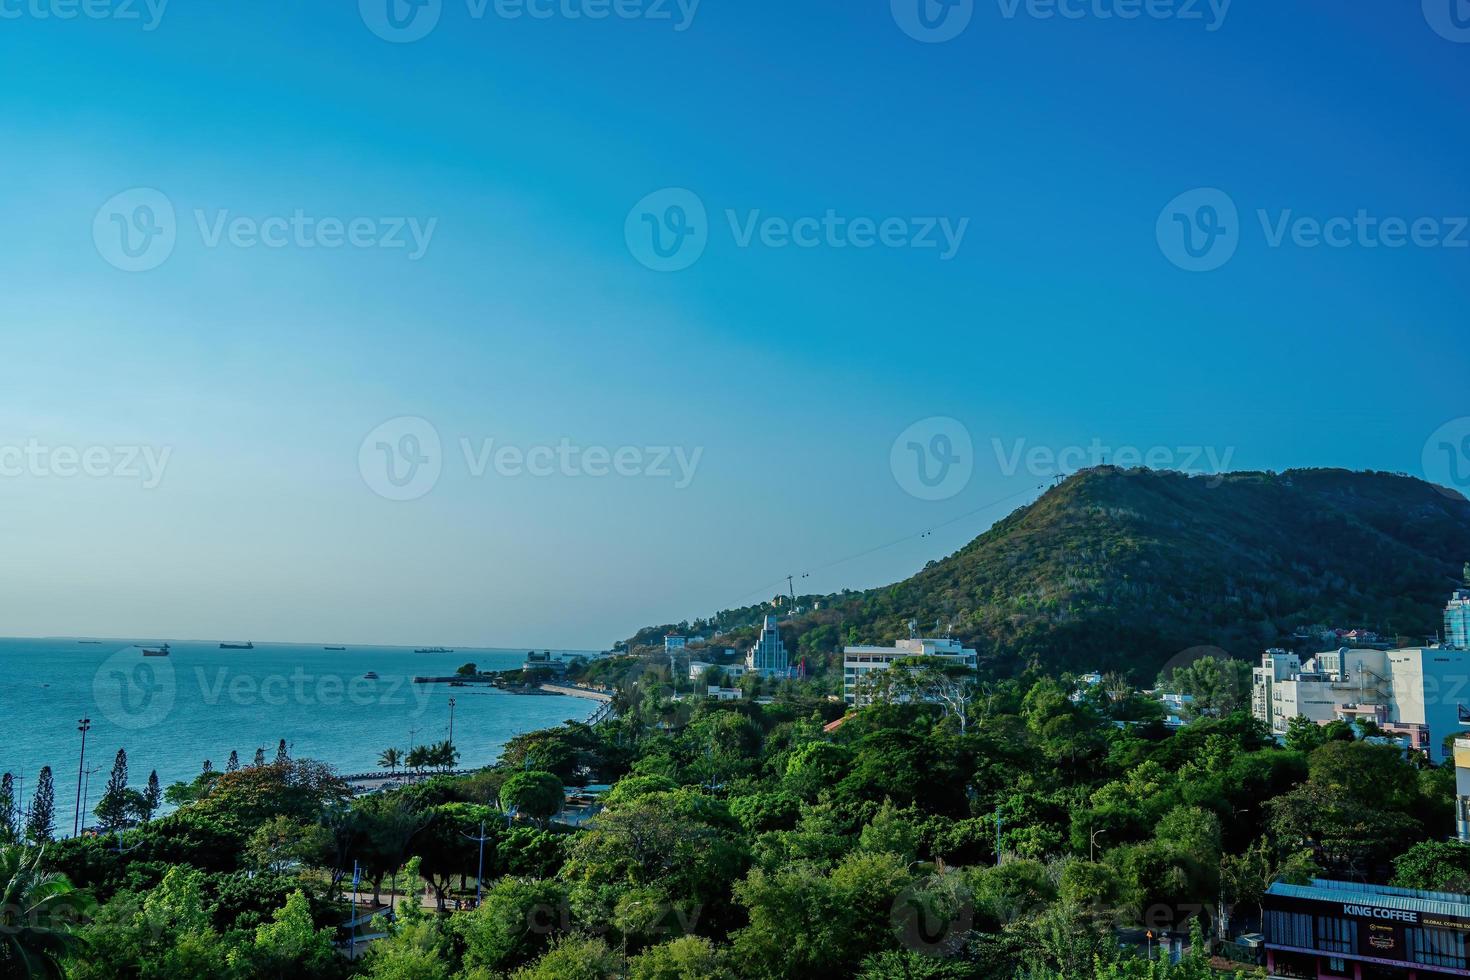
201	702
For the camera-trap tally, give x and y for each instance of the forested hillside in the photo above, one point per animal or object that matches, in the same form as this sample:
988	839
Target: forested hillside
1126	568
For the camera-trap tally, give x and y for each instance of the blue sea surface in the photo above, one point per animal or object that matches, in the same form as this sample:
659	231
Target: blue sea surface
201	702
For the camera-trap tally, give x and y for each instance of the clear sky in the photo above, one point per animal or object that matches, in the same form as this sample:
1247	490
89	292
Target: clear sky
227	387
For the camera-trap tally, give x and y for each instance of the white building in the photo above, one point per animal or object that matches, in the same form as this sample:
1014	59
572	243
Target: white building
1462	789
859	662
1175	706
768	657
1416	692
698	668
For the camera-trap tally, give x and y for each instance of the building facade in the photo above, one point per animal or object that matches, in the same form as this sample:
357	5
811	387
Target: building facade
698	668
1457	620
1350	930
859	662
1462	789
1414	694
768	657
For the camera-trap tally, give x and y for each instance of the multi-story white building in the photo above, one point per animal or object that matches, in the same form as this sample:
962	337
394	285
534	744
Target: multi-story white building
1415	692
768	657
698	668
1457	620
1462	789
859	662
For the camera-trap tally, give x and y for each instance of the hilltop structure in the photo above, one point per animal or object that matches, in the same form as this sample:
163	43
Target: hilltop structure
768	658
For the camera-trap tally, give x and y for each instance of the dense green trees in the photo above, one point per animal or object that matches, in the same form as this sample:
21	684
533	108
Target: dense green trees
745	841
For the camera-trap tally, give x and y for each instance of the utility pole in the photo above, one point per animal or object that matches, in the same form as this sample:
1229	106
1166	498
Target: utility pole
86	790
352	918
76	819
479	875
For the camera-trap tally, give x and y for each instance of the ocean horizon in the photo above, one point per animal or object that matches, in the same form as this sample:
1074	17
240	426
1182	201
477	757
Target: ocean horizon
202	702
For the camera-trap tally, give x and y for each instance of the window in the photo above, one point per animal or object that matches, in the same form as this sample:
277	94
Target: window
1436	947
1289	929
1336	935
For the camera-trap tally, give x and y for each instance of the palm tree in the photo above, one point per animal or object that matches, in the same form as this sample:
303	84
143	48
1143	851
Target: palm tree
418	757
38	912
390	760
443	755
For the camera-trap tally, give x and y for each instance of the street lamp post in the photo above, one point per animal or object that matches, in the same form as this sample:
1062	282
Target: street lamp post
76	819
479	875
451	721
86	791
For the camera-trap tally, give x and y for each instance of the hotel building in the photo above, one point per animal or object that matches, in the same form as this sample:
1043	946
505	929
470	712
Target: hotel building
858	663
1416	693
1457	620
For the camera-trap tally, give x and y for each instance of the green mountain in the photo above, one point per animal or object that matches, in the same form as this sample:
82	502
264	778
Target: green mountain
1127	568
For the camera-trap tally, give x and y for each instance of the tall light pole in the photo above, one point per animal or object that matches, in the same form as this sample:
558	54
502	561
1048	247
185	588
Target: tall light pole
451	721
479	875
82	727
86	790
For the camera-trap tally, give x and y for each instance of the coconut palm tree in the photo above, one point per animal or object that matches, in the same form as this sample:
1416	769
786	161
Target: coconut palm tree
418	758
390	760
39	911
443	755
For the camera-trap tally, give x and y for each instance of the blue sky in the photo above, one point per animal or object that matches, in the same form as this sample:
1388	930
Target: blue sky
1062	319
